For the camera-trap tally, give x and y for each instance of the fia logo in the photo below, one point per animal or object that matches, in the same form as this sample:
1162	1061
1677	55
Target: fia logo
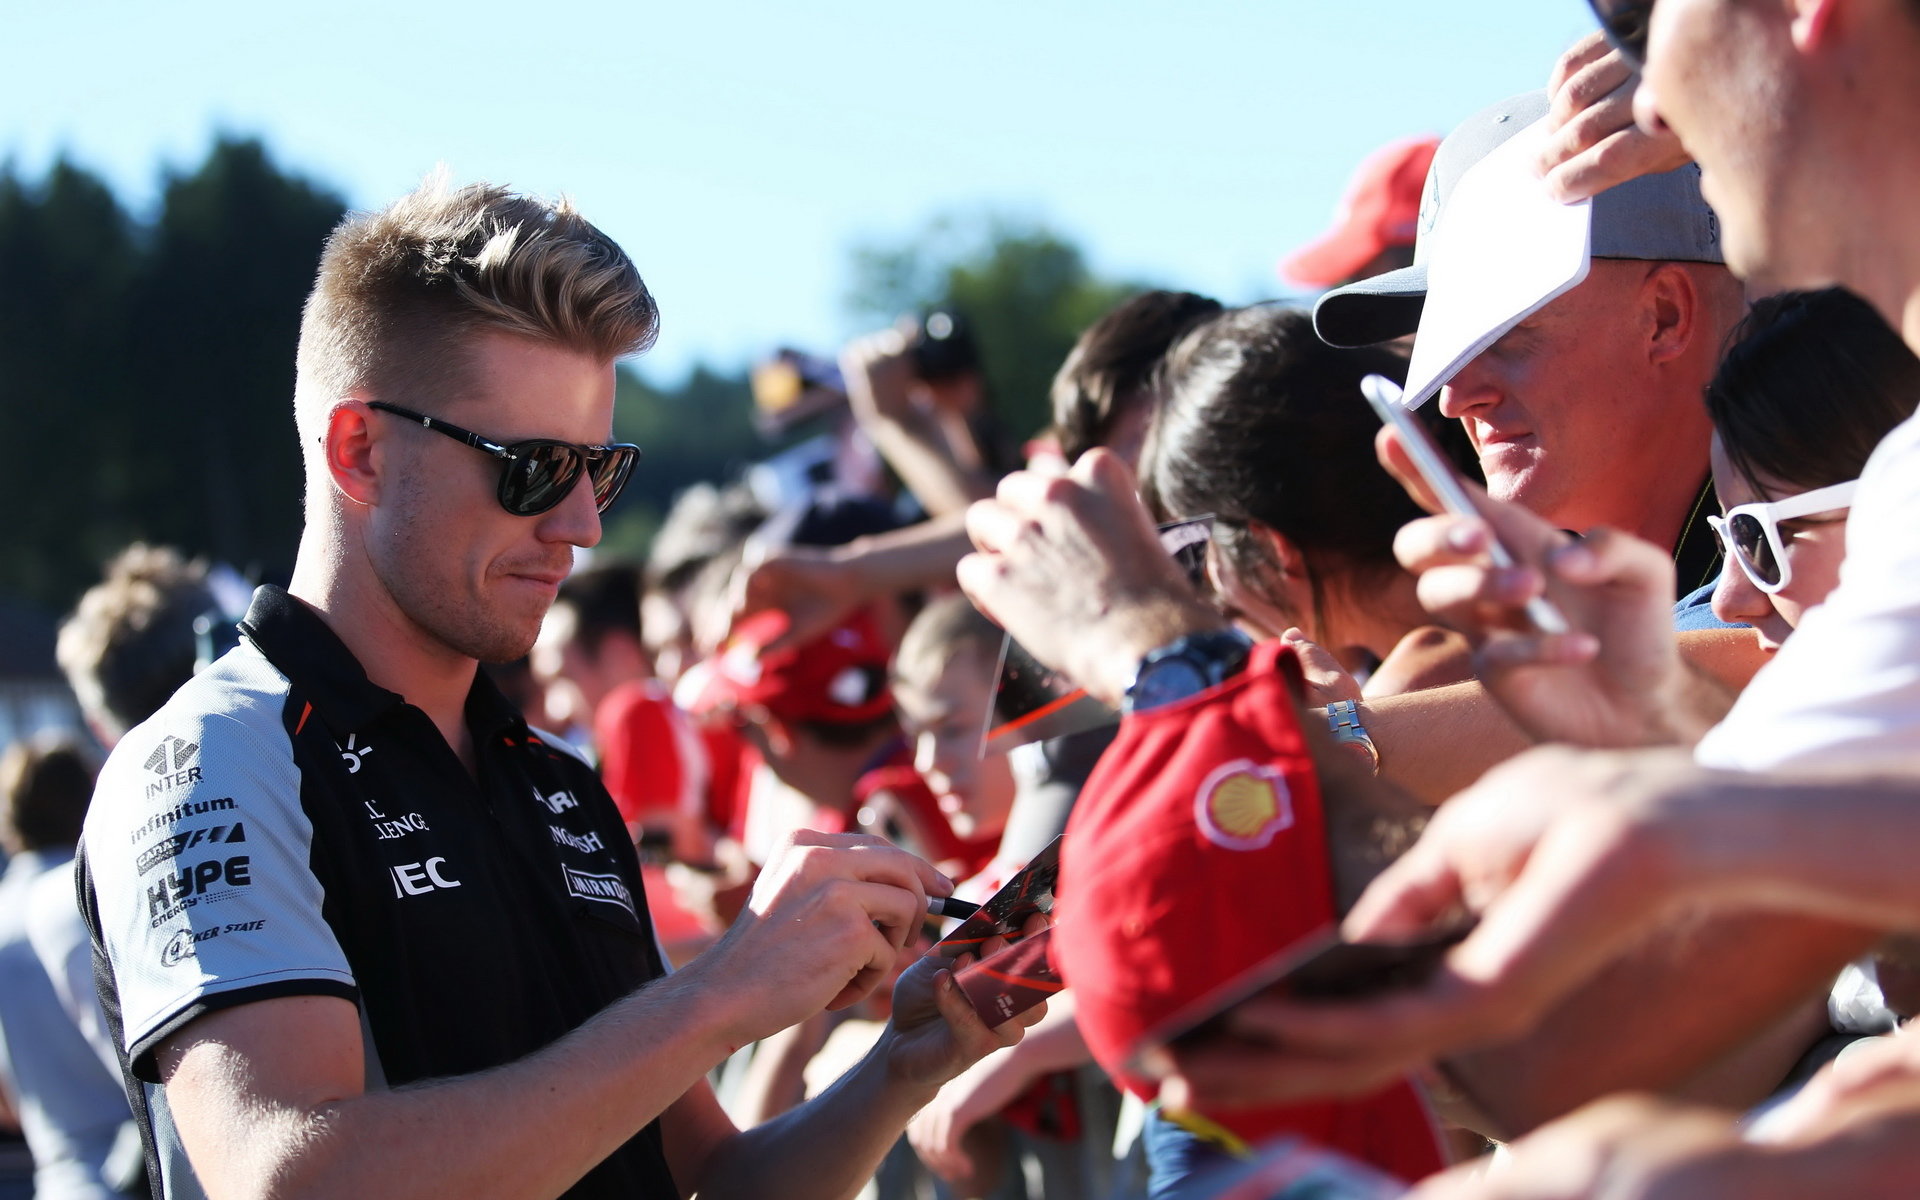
354	754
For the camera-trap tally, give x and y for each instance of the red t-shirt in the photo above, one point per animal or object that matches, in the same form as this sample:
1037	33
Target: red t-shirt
651	759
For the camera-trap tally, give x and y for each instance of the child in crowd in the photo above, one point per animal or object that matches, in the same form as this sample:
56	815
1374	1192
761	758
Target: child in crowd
950	802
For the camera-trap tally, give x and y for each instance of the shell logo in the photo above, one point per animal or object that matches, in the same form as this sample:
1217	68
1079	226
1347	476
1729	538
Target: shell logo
1242	805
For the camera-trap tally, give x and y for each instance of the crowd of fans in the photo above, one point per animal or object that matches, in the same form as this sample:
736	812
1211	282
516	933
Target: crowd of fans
1626	907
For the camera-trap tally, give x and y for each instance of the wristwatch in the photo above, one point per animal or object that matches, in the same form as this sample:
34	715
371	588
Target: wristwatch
1343	720
1186	667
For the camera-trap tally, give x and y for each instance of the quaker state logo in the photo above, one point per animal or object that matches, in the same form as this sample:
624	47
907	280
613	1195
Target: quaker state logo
1242	805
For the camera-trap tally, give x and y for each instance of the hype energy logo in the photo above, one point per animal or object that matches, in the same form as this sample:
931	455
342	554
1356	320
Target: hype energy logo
173	761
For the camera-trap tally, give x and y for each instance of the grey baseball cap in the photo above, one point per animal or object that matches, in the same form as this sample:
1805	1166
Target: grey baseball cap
1655	217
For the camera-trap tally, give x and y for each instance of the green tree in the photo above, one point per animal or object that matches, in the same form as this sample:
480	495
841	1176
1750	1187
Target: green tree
216	319
1027	290
146	372
68	255
701	431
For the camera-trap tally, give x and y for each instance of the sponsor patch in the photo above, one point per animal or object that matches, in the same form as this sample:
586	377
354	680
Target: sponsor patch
585	843
213	880
354	754
172	754
607	889
1242	805
419	878
180	812
169	848
556	803
172	760
185	943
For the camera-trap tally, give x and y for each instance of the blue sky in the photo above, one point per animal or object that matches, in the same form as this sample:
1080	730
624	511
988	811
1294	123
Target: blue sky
739	148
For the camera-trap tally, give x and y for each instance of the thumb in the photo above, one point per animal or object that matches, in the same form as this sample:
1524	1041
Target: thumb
1411	897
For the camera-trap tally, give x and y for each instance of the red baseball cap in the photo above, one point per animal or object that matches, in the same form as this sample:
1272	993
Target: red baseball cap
1195	862
839	678
1381	210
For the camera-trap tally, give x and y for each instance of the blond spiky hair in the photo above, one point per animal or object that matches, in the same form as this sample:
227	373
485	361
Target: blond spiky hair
401	292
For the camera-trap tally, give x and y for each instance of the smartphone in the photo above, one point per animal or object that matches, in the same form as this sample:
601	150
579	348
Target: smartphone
1439	475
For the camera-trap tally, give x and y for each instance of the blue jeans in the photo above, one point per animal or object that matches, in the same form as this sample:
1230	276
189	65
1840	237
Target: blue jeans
1175	1157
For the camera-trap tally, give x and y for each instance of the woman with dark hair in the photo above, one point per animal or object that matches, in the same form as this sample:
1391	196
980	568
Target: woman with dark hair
1811	384
1262	426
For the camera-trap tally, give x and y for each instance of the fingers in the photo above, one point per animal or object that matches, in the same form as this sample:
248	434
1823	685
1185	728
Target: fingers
1327	680
1414	895
1593	141
971	1038
1590	49
874	860
1627	154
1392	453
1588	74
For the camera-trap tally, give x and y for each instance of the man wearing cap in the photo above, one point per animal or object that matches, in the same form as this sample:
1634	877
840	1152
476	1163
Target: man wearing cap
1585	409
1585	404
1800	116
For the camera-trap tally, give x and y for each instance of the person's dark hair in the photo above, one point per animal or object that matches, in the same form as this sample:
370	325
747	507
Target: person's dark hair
605	599
1261	421
1810	384
129	644
45	784
1112	365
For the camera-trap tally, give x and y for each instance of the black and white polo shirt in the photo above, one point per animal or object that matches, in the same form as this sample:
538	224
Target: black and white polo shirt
285	827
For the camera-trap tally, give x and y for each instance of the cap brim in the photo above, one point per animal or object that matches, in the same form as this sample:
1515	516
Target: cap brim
1333	258
1373	310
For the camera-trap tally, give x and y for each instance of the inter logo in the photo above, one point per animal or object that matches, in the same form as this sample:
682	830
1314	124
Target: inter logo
172	761
172	754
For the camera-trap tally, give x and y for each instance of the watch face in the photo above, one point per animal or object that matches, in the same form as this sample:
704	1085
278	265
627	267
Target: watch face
1164	682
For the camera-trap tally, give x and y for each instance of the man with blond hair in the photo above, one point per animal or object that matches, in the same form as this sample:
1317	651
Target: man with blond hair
362	931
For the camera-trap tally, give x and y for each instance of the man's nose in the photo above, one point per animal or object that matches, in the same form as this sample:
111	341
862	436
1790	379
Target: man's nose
1646	109
576	519
1470	388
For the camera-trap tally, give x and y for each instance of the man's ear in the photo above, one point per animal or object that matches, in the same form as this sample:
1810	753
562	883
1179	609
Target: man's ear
351	452
1670	311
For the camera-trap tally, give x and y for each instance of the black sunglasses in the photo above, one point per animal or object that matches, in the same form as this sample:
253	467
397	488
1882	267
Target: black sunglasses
538	473
1625	24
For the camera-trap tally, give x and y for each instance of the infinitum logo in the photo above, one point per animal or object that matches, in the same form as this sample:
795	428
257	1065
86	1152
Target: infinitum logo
169	761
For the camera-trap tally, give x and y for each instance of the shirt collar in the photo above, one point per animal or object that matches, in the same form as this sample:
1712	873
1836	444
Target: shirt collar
294	638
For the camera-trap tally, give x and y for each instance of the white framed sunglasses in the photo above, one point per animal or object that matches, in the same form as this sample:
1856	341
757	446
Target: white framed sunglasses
1750	533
